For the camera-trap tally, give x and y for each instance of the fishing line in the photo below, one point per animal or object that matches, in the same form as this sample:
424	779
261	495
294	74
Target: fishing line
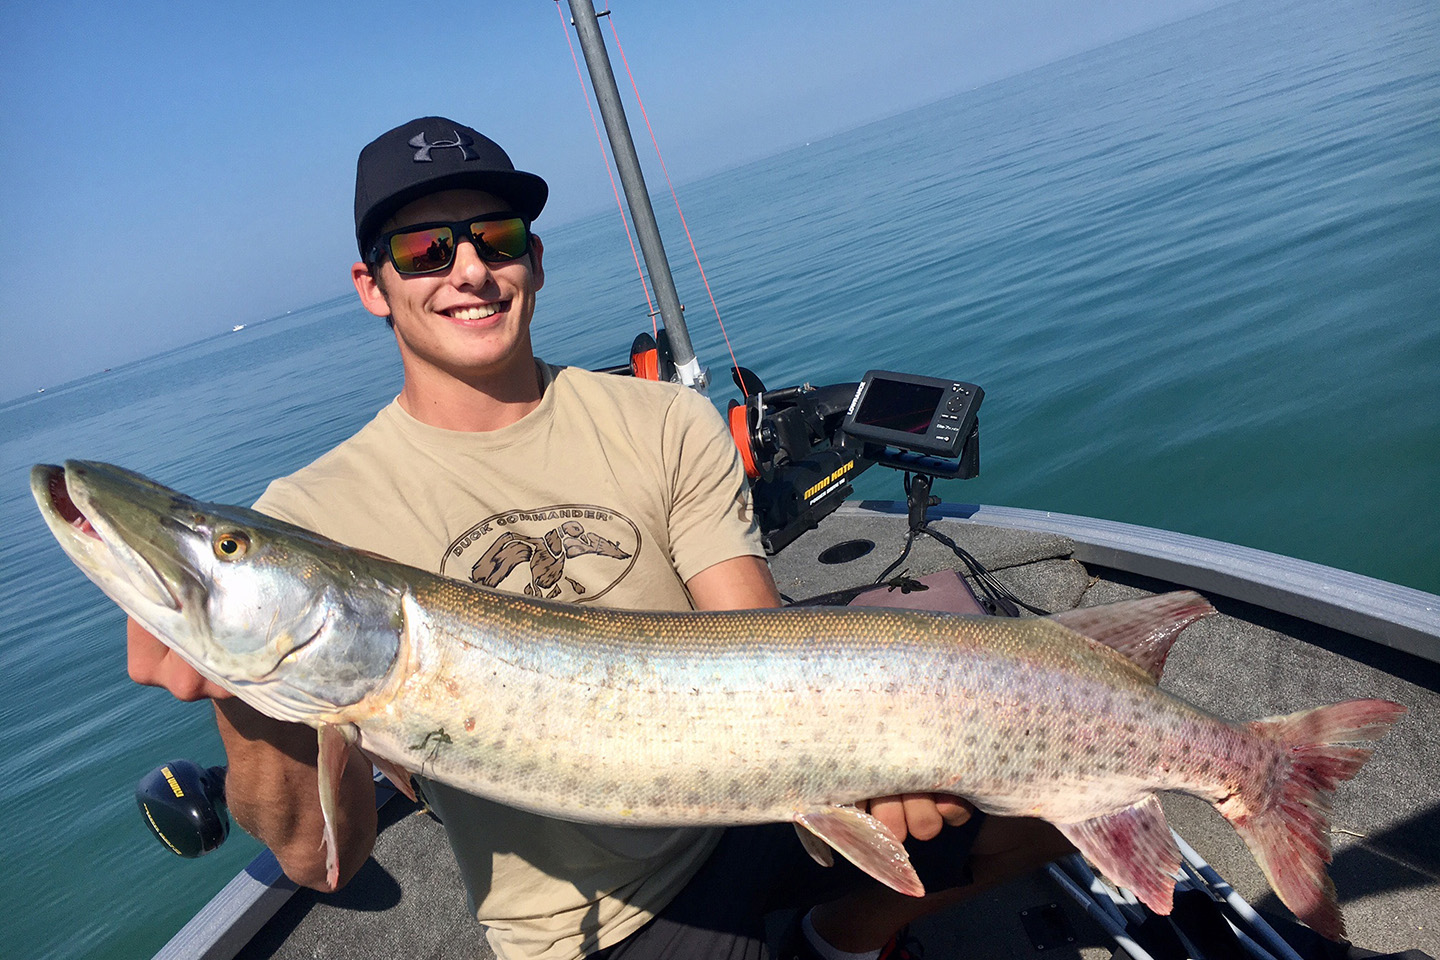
610	16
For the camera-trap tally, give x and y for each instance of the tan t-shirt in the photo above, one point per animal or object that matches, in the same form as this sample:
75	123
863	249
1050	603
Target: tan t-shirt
613	491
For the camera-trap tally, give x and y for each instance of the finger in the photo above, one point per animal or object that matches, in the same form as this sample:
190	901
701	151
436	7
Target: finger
891	812
922	818
953	810
153	664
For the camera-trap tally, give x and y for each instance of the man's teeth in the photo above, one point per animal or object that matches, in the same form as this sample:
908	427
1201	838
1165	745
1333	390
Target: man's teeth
474	313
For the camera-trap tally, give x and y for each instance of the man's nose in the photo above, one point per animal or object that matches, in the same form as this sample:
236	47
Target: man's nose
468	265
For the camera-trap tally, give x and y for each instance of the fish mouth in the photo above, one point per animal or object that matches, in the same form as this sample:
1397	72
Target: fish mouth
92	538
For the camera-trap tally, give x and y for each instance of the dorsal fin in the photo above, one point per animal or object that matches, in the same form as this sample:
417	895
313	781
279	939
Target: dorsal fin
1141	630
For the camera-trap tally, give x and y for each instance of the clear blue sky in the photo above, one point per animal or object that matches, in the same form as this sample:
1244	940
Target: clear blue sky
170	169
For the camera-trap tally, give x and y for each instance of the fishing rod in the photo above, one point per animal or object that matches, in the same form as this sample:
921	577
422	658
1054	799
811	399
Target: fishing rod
622	147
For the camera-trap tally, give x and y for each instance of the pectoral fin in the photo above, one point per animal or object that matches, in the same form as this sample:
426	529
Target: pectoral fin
334	751
864	841
1133	847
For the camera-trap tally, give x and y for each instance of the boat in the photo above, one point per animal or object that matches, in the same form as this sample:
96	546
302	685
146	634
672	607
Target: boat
237	328
1290	634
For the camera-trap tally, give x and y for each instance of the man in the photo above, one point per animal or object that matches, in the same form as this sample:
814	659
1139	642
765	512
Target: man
493	467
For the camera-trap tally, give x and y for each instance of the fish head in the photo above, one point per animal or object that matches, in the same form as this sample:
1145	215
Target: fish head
295	624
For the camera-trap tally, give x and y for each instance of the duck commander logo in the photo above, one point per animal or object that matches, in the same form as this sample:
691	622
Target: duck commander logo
572	552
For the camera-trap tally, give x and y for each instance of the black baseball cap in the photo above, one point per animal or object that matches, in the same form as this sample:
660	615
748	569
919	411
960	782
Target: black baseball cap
432	154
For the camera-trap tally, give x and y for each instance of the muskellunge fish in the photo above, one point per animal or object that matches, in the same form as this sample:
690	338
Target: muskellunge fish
655	719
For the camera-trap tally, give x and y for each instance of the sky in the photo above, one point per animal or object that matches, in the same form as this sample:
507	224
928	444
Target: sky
168	170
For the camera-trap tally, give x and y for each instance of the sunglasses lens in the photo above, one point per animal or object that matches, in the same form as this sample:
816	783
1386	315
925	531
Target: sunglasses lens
499	240
422	251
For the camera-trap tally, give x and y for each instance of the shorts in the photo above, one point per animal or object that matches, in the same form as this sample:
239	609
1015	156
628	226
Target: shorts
754	871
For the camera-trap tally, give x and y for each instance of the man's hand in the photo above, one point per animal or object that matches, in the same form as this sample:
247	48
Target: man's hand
918	815
155	665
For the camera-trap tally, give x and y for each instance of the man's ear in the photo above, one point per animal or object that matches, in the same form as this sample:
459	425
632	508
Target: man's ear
371	296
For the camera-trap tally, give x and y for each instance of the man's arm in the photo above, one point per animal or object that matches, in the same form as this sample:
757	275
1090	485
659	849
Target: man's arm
740	583
745	583
272	786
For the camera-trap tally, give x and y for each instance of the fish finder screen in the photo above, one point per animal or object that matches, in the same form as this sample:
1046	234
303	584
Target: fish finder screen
894	405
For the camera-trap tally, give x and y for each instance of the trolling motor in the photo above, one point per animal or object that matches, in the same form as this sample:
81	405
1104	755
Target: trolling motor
184	806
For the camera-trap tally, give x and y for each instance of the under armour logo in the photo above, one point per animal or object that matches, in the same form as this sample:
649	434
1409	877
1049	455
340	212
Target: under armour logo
422	154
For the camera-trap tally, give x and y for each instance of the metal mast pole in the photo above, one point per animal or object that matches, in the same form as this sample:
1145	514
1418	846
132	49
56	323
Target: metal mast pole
617	128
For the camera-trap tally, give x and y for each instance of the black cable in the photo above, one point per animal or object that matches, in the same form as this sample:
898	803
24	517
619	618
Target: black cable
997	596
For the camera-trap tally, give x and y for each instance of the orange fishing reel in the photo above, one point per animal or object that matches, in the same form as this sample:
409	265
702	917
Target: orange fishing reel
651	359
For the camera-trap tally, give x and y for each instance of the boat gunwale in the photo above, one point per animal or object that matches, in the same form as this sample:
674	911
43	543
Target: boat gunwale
1390	614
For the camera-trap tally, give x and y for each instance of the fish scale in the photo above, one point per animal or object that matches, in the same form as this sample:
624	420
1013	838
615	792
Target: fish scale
681	719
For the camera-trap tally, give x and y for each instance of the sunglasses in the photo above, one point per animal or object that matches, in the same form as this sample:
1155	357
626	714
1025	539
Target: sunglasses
430	247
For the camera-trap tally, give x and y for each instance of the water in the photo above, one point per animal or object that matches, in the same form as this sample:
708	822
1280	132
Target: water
1195	272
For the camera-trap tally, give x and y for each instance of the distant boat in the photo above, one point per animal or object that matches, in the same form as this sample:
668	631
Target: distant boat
237	328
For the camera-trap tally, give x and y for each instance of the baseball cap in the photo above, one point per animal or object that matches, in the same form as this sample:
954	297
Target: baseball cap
432	154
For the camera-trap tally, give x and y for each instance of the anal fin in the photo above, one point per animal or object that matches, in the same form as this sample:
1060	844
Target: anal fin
1133	848
865	842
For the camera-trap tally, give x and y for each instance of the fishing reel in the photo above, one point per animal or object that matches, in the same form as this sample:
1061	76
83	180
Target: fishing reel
184	806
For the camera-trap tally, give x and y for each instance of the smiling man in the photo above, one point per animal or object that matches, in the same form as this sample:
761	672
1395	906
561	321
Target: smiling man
497	468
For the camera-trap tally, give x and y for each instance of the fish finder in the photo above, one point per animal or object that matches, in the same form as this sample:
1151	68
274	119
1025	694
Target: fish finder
918	423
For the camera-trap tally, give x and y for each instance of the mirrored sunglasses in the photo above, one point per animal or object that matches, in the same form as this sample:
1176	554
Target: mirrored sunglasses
430	247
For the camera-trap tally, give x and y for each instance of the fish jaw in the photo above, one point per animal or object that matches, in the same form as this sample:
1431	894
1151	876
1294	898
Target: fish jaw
92	543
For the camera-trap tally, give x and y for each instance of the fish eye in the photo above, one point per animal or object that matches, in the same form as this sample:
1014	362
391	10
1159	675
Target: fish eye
231	545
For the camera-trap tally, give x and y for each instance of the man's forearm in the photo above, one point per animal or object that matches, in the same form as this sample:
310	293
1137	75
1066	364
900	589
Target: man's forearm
272	790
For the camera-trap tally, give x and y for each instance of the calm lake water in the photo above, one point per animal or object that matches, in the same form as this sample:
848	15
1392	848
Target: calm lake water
1196	272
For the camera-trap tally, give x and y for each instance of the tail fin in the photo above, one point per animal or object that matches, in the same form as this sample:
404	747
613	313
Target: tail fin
1288	831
